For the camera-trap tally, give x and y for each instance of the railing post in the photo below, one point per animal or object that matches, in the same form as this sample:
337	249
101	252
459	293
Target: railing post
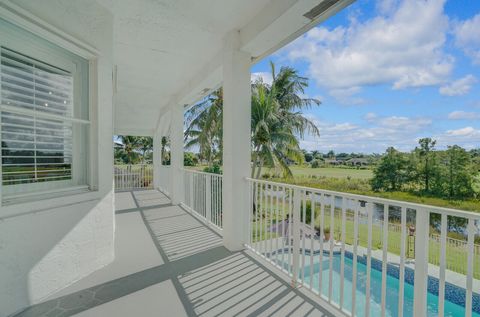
421	262
208	198
296	236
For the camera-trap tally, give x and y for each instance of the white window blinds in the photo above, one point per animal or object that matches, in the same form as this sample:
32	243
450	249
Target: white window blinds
36	126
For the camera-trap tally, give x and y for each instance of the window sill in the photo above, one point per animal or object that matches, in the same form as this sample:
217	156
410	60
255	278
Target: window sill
18	205
41	195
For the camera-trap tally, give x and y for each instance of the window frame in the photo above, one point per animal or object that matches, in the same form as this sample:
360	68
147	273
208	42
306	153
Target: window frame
33	27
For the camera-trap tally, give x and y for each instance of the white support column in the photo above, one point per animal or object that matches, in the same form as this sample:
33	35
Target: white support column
176	160
236	142
157	147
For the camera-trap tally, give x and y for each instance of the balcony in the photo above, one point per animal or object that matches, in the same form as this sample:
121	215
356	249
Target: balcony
89	238
170	263
171	258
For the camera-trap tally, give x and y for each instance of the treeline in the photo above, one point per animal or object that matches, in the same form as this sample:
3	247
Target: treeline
453	173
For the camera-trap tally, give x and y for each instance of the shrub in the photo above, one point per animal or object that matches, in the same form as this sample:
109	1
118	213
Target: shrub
215	169
190	159
315	164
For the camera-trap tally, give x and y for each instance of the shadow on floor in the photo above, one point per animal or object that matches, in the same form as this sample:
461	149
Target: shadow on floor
209	280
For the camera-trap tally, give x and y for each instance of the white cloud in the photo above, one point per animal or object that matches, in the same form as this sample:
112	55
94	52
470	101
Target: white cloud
370	116
375	135
463	115
467	131
458	87
264	76
467	37
467	137
402	47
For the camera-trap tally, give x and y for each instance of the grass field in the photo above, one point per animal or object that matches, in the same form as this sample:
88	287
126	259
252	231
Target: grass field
329	172
305	171
357	181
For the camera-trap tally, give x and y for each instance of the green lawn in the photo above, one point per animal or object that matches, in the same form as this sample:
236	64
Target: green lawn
335	172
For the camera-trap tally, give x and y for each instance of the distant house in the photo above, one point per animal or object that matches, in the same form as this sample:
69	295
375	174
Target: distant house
357	162
333	162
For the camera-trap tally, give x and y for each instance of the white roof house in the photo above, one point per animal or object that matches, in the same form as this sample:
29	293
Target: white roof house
75	73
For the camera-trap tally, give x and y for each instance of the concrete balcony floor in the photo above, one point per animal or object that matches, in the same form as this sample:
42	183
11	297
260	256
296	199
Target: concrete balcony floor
168	263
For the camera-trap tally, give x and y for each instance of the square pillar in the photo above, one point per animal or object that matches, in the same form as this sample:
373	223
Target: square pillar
236	142
176	158
157	159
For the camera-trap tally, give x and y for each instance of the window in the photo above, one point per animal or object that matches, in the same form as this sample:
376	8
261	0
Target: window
44	114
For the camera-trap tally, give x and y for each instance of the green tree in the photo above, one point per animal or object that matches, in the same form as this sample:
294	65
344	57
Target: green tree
165	145
277	120
458	172
146	147
129	153
391	173
428	166
190	159
205	127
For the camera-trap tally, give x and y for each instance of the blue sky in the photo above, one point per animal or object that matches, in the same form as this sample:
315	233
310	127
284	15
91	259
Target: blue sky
389	72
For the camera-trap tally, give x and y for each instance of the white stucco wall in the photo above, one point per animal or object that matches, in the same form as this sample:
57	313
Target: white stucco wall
49	244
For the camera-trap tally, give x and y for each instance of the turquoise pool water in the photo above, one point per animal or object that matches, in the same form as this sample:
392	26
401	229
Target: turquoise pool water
451	309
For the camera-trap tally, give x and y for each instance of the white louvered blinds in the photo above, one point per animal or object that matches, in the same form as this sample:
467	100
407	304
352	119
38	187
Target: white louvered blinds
43	125
35	146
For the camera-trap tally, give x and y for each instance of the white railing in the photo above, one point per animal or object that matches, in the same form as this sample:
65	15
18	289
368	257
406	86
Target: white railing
133	176
165	179
203	195
336	245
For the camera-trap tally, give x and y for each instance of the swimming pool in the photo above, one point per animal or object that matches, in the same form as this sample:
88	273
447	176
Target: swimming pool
451	309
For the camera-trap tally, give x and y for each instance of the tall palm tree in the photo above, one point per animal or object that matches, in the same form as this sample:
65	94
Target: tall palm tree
130	148
145	146
165	143
204	127
277	120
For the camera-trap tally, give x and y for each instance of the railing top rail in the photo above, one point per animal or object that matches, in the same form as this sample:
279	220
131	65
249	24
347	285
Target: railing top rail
448	211
199	172
116	165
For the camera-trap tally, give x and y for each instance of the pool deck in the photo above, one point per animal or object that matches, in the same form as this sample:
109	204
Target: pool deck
168	263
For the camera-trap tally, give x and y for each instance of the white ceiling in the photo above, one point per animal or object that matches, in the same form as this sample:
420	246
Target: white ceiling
160	45
170	50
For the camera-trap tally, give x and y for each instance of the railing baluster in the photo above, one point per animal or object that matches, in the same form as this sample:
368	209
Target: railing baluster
342	256
355	260
296	235
331	242
302	231
284	229
470	252
384	259
321	241
277	206
369	259
312	236
208	198
443	257
290	230
401	275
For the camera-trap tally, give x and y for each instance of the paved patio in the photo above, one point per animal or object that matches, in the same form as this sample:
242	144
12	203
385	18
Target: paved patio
168	263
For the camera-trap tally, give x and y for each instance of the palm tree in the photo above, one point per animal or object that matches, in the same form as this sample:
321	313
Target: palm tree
204	127
165	143
145	146
130	148
277	120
